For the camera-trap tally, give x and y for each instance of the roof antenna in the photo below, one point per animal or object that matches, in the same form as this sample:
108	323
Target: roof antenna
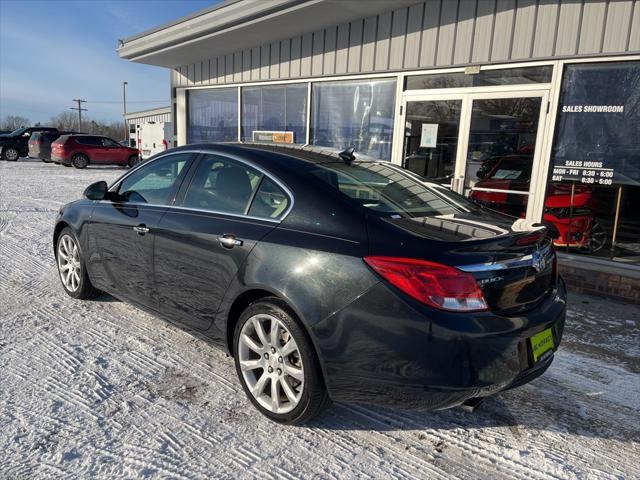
347	155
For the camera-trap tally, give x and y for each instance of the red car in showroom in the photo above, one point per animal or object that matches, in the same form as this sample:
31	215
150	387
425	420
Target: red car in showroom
577	226
83	150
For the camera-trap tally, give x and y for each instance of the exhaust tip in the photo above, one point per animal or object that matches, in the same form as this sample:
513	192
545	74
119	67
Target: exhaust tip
471	404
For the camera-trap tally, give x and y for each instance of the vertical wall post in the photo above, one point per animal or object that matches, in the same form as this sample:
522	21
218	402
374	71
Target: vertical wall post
615	223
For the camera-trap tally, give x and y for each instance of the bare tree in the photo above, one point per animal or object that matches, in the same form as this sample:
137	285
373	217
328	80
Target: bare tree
69	121
65	121
12	122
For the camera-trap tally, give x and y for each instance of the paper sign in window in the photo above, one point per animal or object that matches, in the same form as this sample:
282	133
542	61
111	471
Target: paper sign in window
429	135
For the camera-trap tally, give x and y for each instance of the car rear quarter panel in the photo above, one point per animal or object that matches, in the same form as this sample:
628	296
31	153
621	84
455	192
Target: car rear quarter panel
313	261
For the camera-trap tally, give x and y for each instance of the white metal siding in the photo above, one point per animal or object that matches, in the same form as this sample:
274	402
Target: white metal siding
165	117
434	33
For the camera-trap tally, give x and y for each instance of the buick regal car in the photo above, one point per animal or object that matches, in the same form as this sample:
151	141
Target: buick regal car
325	276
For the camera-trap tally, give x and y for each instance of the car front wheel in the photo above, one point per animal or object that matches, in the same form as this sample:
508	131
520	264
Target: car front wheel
276	363
71	266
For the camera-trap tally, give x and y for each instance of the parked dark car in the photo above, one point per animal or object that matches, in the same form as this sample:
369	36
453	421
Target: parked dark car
40	144
324	276
81	151
16	144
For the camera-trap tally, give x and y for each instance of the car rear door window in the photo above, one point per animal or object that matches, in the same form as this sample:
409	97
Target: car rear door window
156	182
270	201
92	141
222	185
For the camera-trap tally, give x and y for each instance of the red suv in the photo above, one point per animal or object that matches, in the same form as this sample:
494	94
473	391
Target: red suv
82	150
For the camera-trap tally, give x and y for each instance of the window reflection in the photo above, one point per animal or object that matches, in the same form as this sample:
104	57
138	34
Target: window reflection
594	182
213	115
280	108
502	140
355	114
486	78
432	158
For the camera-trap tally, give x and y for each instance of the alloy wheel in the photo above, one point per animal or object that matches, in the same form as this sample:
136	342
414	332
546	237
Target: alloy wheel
597	239
80	161
69	264
271	363
11	154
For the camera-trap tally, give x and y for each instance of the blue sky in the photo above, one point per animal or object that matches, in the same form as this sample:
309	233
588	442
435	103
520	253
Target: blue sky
54	51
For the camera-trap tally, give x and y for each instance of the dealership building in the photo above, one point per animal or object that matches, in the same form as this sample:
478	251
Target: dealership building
531	107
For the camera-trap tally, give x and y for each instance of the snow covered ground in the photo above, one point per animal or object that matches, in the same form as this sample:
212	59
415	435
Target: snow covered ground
100	389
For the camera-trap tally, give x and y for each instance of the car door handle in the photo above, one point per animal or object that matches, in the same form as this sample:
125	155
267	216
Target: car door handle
141	229
229	241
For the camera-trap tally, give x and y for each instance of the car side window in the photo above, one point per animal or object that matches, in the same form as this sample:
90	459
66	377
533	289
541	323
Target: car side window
222	185
154	182
93	141
270	201
107	142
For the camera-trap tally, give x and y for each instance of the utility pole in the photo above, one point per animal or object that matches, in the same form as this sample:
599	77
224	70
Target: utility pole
124	110
80	110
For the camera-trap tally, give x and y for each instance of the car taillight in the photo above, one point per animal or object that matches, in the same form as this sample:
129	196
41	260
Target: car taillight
433	284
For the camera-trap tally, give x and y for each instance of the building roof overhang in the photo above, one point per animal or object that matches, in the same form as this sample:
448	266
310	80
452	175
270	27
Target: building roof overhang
148	112
234	25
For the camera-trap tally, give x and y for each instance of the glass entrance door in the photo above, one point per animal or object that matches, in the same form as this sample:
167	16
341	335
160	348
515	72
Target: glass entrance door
485	146
431	138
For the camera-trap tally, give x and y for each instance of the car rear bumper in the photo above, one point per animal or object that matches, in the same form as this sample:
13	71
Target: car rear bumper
59	159
388	350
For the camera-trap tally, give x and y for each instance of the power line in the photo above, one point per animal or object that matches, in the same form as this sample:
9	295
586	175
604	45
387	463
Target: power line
128	101
80	110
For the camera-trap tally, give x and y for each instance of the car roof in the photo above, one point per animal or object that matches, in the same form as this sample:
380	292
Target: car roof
303	153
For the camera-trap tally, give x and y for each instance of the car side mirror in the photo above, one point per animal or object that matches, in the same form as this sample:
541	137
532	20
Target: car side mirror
96	191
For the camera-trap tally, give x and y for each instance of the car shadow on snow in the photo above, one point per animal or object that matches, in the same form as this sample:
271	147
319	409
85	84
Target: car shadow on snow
104	298
520	410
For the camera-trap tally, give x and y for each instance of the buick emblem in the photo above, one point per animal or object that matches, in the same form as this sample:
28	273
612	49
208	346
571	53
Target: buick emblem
538	262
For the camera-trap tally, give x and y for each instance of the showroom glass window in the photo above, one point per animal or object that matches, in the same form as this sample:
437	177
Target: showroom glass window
595	162
355	114
213	115
274	108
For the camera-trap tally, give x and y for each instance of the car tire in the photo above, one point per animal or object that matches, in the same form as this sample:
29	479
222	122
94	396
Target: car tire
72	269
80	161
262	359
133	161
11	154
597	240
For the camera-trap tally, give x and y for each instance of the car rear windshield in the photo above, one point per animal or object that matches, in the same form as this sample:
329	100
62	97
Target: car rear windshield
391	191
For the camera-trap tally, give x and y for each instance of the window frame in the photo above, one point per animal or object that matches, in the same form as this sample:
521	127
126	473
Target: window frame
187	181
